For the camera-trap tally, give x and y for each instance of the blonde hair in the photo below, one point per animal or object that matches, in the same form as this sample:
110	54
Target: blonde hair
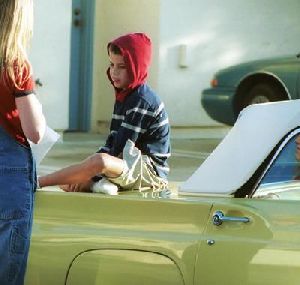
16	22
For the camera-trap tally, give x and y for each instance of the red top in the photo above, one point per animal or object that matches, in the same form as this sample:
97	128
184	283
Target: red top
136	49
9	115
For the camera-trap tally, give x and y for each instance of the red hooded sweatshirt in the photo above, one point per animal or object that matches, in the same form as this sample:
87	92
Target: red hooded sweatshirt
136	49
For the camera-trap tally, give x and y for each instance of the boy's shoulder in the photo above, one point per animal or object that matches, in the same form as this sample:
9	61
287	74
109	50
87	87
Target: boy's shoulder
144	93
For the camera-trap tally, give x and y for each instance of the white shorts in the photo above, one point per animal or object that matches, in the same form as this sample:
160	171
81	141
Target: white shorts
138	172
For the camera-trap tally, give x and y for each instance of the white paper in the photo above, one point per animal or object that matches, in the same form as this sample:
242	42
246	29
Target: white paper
40	150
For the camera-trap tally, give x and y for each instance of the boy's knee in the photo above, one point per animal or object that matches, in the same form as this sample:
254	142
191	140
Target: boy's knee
99	161
103	163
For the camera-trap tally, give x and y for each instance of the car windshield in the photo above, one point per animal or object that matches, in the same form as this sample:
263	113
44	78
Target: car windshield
283	174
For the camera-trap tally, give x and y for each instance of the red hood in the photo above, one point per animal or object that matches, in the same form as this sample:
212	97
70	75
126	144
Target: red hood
137	51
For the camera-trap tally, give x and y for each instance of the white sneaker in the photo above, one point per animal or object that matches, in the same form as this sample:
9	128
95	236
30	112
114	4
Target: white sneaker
105	186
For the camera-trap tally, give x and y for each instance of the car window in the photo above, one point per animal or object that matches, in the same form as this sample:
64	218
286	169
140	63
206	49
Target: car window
282	179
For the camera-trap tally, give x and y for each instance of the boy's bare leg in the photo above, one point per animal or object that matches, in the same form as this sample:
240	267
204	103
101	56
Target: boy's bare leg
98	163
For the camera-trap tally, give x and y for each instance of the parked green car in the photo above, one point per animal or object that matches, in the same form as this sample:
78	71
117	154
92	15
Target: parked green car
259	81
235	221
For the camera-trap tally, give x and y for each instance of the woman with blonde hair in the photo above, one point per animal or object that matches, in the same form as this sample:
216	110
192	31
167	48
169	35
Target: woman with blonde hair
21	119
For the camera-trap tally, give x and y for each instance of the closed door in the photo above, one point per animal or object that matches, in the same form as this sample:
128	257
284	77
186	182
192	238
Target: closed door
81	64
262	250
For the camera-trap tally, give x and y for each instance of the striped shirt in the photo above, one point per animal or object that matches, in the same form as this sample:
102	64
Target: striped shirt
142	118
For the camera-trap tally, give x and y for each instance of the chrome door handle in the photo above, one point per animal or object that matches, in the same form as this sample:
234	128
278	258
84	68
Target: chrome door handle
218	218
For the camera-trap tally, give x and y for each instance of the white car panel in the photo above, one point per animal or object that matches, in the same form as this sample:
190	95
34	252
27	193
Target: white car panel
256	132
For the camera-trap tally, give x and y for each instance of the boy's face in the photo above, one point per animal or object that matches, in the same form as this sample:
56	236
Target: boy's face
118	71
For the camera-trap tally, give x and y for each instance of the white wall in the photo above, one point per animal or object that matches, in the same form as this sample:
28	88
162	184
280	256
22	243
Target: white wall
50	57
217	34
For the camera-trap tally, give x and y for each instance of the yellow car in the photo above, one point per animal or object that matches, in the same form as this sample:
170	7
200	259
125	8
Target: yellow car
236	220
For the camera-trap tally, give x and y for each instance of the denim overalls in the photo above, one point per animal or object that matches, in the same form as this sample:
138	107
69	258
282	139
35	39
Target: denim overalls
17	186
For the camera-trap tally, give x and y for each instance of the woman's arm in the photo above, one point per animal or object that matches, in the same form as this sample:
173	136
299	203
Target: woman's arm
32	118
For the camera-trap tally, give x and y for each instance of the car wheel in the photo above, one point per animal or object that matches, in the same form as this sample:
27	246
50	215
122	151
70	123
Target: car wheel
262	93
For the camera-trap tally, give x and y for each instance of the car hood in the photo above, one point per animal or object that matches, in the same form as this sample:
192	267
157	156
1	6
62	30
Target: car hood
265	62
256	132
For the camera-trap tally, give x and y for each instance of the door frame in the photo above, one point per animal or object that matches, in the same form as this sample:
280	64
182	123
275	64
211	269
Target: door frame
81	67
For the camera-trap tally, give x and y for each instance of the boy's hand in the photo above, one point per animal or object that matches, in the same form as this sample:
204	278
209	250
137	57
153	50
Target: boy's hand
81	187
